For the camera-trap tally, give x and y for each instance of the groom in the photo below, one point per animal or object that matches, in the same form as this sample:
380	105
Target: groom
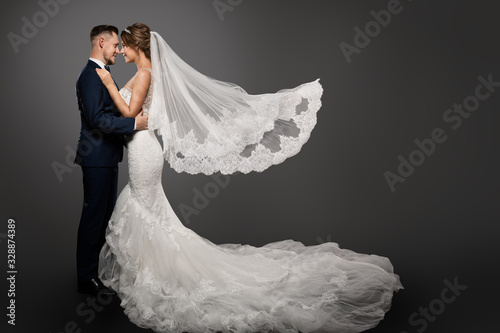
100	148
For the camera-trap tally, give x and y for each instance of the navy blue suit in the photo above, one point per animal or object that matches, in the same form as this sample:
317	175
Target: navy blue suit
100	148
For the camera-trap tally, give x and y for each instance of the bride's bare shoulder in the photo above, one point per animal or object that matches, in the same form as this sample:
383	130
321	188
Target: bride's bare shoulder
141	79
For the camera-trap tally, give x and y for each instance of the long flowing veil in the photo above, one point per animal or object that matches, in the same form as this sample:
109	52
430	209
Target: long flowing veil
211	126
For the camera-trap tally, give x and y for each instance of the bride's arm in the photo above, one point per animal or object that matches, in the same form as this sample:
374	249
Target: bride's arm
139	91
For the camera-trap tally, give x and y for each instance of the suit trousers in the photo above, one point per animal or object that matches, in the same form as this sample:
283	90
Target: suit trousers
99	198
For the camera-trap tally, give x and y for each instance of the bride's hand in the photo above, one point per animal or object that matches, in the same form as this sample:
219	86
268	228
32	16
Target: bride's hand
105	77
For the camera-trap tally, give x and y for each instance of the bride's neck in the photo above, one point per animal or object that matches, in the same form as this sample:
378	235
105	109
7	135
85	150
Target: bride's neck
143	62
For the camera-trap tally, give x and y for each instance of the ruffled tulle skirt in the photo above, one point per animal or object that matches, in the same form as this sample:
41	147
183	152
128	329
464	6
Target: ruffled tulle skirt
170	279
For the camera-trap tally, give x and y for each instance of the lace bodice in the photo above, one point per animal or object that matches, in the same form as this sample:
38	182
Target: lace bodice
144	155
126	92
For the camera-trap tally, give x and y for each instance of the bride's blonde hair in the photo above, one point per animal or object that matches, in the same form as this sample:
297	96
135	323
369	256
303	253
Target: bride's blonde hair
138	36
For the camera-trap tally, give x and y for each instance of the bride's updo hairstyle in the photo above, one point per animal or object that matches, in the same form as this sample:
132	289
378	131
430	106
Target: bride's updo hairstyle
138	36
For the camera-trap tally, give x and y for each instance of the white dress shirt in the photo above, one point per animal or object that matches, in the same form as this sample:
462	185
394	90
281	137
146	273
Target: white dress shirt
97	61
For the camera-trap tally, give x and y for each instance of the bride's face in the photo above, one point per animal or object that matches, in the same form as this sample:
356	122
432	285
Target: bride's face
129	54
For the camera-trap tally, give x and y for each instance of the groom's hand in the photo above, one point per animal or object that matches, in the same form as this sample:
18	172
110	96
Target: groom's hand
141	121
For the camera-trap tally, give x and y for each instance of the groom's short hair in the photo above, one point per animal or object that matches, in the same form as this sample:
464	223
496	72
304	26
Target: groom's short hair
104	28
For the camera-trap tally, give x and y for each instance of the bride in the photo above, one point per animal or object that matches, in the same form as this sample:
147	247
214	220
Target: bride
169	278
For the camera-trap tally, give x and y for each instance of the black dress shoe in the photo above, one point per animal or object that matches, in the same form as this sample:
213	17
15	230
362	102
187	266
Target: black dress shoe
94	287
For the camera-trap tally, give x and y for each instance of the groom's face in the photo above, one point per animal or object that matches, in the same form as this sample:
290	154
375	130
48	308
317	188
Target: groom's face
110	49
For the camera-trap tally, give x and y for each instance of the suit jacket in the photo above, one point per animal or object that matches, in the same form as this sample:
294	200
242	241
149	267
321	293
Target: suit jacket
103	128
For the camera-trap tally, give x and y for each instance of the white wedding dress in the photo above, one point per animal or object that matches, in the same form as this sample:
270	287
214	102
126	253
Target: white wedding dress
170	279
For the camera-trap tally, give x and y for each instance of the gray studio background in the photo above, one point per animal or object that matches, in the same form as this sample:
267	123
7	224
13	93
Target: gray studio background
440	224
